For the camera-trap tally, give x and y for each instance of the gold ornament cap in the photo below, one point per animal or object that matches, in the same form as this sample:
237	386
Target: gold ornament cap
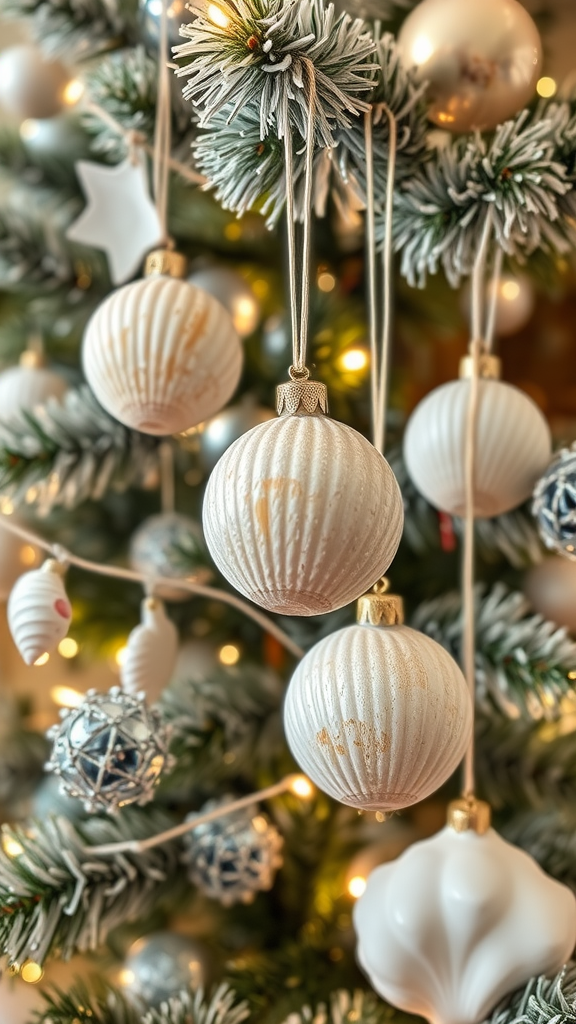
469	815
489	367
301	395
167	263
379	608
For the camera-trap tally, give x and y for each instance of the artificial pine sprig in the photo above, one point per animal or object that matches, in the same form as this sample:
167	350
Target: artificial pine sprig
344	1006
522	661
33	251
542	1001
83	1004
222	1007
279	58
76	29
548	837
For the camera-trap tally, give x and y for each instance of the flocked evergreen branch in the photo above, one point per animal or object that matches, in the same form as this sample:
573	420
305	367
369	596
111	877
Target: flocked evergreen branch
262	56
67	452
221	1007
33	251
548	837
542	1001
55	895
76	29
522	661
85	1004
344	1006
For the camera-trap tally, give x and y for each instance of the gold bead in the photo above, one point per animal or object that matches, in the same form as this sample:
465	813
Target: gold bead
301	396
380	609
469	815
165	262
490	367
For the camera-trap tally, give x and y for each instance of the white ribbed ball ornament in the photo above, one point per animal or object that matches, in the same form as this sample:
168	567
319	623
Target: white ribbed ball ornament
513	445
160	354
26	386
150	652
30	85
302	514
378	716
39	612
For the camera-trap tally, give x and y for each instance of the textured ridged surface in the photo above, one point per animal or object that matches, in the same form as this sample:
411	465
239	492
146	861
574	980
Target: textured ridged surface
378	717
513	447
22	388
39	613
459	921
151	652
161	356
302	515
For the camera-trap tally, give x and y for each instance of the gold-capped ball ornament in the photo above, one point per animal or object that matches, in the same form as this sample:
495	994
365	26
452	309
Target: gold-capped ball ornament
513	444
550	588
301	513
31	86
28	385
480	58
378	715
160	354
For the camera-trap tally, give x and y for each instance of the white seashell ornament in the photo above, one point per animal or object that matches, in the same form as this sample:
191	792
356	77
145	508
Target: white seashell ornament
378	716
160	354
301	514
39	612
150	652
25	387
513	446
461	920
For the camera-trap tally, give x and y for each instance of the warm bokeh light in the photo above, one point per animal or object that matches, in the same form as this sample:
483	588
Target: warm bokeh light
217	16
546	87
301	786
42	659
120	656
422	50
572	675
510	290
66	696
29	129
126	978
354	359
233	231
73	92
326	281
68	647
11	846
228	654
259	824
28	555
31	972
356	886
245	316
6	506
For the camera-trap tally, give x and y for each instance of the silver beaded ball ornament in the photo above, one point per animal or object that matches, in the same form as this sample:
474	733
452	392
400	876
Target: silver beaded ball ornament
554	505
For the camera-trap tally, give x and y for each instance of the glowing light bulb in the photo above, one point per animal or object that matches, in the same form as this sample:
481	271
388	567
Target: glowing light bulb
28	555
510	290
66	696
422	50
68	647
228	654
42	659
31	972
11	846
356	886
301	786
29	129
326	281
6	506
120	656
217	16
354	359
73	92
546	87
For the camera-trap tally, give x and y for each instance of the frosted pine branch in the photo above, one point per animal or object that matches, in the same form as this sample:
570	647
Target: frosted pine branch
343	1006
76	29
220	1008
542	1001
550	838
65	453
522	661
33	251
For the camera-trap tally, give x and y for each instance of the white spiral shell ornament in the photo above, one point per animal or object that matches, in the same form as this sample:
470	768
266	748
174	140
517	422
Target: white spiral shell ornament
39	612
26	386
513	445
460	920
378	715
302	514
150	652
160	354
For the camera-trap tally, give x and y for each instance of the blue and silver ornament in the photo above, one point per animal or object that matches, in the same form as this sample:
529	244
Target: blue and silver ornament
554	505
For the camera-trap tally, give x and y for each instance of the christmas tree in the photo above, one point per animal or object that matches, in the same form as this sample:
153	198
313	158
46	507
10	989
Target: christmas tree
252	624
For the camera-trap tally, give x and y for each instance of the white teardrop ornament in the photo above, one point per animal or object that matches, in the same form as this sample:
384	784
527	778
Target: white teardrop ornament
302	514
513	447
378	716
150	652
461	920
160	354
39	612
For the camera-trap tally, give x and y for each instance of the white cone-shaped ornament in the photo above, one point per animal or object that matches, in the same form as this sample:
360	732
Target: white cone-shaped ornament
513	446
160	354
302	514
461	920
150	652
26	386
378	716
39	612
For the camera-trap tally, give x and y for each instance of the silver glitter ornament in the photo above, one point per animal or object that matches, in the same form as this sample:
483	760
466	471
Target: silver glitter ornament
222	430
236	856
162	965
554	505
168	544
110	751
235	294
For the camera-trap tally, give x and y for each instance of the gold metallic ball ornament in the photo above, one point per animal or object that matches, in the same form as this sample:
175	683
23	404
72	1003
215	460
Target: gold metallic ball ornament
481	59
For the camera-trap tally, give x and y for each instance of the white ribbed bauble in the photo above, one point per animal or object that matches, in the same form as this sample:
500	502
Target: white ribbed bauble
513	447
23	388
150	652
302	514
378	716
39	612
161	355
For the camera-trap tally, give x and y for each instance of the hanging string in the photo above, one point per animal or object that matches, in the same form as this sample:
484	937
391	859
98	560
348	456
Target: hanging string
299	318
493	300
468	608
380	359
167	495
163	133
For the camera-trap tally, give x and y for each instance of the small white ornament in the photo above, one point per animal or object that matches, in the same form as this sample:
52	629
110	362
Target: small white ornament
151	652
39	612
378	716
161	355
119	217
513	446
302	514
514	302
170	545
550	587
26	386
30	85
458	922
